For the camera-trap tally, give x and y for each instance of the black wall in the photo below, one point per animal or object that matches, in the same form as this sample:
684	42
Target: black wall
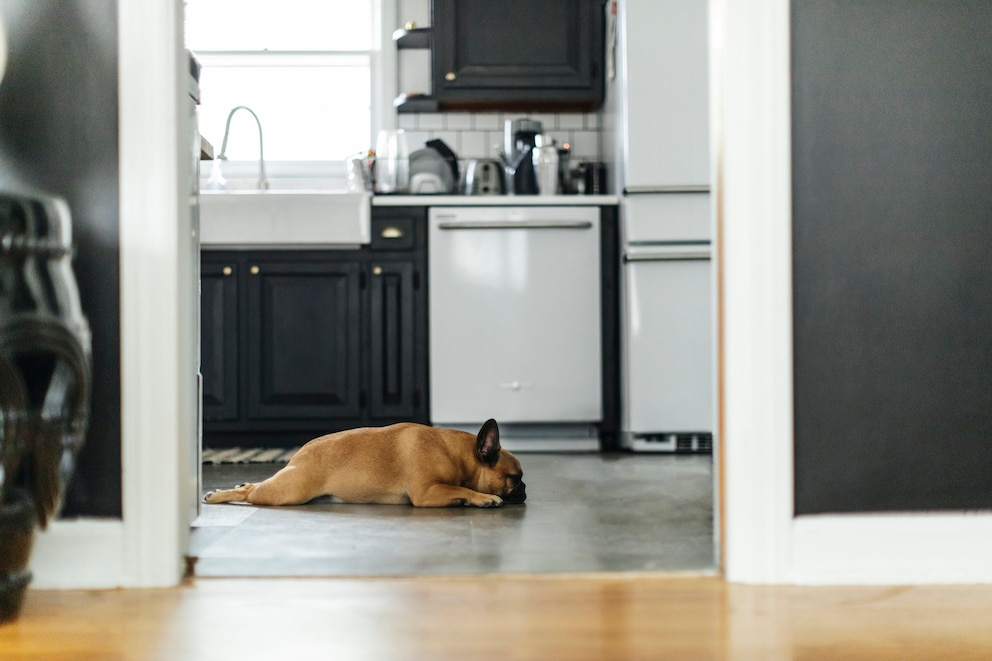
892	248
58	135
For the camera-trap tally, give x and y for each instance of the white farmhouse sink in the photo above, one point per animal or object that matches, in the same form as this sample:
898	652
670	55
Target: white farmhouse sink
283	219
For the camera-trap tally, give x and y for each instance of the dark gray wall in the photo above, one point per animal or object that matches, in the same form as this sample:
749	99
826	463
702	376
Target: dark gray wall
58	135
892	185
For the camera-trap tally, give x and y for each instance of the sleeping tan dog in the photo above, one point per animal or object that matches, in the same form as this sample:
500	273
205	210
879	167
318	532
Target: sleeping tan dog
405	463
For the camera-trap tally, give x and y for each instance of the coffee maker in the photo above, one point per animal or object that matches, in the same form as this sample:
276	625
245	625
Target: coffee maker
519	140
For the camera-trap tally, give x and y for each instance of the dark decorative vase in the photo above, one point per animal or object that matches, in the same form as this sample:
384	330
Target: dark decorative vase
44	378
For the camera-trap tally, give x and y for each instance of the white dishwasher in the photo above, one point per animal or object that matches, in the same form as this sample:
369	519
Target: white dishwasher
515	328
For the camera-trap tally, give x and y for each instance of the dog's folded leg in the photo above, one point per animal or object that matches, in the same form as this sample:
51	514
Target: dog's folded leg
448	495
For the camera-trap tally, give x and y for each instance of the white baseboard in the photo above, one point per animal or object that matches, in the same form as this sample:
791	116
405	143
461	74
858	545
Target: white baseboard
893	549
79	554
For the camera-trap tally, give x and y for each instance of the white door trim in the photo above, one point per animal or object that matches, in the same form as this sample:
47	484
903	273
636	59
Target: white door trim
157	357
753	172
146	547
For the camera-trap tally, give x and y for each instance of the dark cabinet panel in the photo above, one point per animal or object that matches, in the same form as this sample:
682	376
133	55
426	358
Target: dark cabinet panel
526	54
219	338
392	336
303	339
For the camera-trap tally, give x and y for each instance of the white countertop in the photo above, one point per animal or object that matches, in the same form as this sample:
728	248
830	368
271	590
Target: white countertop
493	200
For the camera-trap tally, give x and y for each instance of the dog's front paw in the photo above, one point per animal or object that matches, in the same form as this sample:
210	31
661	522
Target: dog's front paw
489	500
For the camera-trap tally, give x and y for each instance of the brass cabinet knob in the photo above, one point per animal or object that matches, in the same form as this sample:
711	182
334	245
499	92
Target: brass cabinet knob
254	270
450	75
376	270
227	270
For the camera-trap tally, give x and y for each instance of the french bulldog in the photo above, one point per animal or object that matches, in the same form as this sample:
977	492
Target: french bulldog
405	463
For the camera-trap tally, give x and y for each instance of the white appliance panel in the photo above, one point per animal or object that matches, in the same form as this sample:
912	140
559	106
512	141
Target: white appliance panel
664	73
669	217
515	314
668	379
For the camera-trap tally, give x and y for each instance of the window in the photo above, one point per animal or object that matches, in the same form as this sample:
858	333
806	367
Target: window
303	66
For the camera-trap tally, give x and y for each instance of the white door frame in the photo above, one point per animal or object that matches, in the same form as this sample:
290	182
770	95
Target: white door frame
763	541
145	548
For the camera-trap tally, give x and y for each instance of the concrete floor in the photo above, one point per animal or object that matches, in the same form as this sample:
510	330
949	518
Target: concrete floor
584	513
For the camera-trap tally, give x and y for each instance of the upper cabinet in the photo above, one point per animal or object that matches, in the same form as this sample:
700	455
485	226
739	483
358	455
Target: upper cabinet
517	55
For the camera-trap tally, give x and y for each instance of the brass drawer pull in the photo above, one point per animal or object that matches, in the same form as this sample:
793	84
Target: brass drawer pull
391	233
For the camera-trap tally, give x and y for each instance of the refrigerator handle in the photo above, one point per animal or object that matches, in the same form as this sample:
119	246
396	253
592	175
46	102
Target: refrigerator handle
667	257
655	190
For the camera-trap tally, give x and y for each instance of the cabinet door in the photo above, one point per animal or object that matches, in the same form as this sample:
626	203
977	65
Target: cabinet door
304	323
523	49
219	337
392	333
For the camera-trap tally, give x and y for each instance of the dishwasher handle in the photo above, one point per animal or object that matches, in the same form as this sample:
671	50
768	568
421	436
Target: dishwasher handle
515	225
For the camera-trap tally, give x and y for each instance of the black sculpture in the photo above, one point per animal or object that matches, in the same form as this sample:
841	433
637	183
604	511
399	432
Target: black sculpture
44	378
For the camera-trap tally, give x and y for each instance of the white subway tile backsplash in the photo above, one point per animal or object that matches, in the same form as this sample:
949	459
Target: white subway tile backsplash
571	121
431	121
549	121
585	145
459	121
488	121
480	135
417	139
474	145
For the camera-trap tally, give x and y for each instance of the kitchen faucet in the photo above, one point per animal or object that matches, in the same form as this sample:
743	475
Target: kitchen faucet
263	182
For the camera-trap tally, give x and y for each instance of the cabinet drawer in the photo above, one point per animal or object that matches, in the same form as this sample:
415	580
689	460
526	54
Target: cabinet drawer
392	234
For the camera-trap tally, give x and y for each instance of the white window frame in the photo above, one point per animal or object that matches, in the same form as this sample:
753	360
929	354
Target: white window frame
321	174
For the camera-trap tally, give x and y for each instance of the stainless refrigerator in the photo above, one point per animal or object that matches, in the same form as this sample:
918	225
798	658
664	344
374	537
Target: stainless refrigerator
656	123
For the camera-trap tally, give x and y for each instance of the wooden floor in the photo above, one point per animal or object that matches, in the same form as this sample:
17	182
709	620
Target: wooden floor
503	617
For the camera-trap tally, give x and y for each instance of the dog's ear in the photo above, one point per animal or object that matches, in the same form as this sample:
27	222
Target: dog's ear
487	443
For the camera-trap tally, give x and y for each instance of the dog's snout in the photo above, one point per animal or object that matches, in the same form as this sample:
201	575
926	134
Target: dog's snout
517	495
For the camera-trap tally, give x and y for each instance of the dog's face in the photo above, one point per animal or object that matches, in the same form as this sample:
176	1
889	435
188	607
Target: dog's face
501	473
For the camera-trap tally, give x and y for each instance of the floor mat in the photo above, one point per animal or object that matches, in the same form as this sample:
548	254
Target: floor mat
248	455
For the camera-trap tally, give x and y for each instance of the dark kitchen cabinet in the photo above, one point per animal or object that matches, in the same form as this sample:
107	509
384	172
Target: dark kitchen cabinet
299	343
219	337
517	54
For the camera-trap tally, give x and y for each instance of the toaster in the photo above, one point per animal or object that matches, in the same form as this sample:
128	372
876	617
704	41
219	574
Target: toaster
484	176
